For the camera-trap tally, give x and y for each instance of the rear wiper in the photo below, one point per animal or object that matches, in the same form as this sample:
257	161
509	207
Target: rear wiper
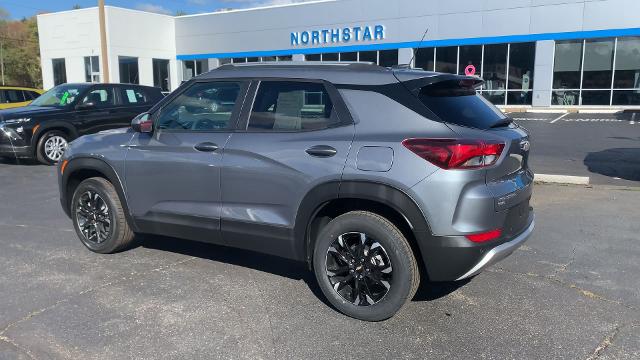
502	123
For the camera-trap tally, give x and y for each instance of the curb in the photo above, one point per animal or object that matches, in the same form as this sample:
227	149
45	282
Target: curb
561	179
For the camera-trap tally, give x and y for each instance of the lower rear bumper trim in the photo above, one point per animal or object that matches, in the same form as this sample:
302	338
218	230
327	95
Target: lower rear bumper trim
499	252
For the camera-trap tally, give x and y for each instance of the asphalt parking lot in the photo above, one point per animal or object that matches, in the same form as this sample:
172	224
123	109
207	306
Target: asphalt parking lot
603	147
572	291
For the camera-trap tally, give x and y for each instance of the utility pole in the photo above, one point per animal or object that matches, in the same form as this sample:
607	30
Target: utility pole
103	42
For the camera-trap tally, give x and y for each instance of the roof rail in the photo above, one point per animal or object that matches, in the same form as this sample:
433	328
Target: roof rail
302	63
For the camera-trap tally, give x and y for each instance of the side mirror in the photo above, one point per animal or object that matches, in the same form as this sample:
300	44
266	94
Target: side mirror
85	106
142	123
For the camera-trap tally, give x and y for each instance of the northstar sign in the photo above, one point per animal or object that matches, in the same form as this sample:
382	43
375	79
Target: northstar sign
339	35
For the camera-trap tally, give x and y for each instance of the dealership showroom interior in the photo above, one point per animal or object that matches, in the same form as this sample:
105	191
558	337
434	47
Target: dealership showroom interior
312	179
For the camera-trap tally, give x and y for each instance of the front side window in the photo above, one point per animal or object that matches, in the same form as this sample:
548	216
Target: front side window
291	106
100	98
202	107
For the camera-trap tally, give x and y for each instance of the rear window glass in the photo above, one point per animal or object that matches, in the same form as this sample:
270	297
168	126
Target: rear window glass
456	102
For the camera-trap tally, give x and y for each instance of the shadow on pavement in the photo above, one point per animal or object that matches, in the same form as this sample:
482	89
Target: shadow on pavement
272	264
623	163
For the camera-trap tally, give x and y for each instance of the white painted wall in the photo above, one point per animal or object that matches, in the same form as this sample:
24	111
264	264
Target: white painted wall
143	35
75	34
71	35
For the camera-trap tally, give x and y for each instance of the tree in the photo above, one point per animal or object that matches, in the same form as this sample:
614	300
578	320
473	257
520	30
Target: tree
21	51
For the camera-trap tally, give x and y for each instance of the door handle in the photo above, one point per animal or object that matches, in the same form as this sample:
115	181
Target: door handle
322	151
206	147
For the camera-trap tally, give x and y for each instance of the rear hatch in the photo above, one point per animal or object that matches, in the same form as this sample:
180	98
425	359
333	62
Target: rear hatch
454	101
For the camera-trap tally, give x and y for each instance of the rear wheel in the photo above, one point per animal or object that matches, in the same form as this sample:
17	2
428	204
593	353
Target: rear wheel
51	147
365	266
98	217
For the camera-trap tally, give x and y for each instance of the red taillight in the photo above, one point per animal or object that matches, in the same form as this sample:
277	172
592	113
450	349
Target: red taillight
455	153
489	235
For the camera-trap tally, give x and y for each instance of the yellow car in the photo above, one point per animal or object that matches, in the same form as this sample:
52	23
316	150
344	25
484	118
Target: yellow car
16	96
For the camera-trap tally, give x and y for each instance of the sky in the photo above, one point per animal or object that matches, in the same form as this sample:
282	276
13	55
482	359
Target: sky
18	9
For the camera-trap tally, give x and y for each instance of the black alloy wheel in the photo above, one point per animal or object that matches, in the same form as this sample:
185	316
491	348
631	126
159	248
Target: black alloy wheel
359	268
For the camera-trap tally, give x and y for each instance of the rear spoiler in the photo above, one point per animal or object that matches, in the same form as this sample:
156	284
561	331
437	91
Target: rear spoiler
415	80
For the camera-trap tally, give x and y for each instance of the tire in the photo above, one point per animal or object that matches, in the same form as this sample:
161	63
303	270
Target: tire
90	198
55	139
391	261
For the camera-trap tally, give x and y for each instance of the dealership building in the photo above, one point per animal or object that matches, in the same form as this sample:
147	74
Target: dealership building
541	53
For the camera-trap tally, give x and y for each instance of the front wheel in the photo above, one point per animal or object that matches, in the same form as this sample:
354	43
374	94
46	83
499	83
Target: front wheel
99	218
51	147
365	266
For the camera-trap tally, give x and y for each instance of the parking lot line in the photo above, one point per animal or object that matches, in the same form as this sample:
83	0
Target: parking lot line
559	117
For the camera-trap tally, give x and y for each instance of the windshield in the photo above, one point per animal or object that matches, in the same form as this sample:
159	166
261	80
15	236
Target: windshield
456	102
59	96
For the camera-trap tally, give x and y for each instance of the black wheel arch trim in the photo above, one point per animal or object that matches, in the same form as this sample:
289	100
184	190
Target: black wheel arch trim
382	193
98	165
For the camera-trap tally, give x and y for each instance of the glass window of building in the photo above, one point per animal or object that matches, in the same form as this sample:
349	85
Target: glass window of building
59	71
598	64
520	77
567	64
312	57
494	73
330	57
447	59
470	56
388	58
597	71
253	59
627	75
368	56
128	69
91	69
627	72
521	62
268	58
285	58
349	56
239	60
224	61
161	74
424	59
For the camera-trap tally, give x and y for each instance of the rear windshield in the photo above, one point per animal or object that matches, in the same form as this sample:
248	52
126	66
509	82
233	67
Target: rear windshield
456	102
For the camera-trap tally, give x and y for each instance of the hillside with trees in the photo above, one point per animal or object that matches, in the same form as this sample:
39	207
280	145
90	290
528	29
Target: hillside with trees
20	51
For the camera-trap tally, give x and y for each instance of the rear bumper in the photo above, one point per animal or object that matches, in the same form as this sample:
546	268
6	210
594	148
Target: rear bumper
498	253
451	258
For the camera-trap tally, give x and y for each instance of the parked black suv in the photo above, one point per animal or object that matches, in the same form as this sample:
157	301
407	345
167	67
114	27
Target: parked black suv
43	129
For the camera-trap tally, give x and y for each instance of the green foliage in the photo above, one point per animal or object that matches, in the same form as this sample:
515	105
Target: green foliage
20	50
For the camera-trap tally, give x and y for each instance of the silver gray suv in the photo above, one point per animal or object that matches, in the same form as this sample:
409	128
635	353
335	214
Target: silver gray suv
374	177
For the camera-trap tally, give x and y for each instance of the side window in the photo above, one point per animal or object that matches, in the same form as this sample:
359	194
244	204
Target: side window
133	96
3	97
291	106
34	95
202	107
14	96
101	98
